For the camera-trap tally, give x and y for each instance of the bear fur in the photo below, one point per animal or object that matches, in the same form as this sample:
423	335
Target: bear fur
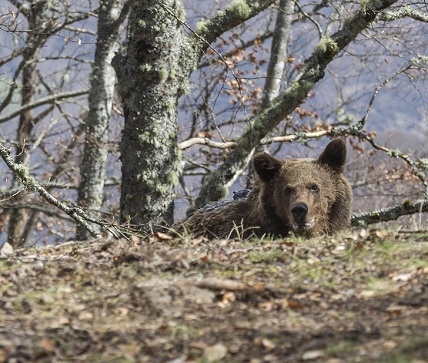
304	196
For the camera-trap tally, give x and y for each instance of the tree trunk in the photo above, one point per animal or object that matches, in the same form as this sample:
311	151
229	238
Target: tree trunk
151	77
92	167
37	16
149	84
275	76
18	216
279	52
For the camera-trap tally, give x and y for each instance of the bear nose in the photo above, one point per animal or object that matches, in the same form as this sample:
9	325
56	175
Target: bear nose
299	212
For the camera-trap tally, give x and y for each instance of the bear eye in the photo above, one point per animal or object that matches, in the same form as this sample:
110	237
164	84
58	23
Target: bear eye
288	190
314	188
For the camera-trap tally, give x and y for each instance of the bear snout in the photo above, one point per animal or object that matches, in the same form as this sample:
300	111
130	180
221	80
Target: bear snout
299	212
300	222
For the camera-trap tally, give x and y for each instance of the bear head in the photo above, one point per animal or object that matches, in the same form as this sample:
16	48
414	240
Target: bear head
306	196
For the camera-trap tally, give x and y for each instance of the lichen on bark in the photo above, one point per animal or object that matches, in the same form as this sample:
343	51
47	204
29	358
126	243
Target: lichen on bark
149	151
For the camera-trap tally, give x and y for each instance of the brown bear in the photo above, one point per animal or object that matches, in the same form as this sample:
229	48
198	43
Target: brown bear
304	196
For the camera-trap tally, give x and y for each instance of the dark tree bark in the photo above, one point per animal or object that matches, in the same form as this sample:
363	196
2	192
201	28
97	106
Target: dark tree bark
18	216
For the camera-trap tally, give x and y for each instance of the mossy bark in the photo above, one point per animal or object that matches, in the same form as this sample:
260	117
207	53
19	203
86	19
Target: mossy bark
149	82
391	213
152	75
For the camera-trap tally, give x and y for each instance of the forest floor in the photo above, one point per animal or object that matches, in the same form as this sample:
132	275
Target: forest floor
358	297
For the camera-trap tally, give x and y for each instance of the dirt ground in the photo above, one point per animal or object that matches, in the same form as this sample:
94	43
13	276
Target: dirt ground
358	297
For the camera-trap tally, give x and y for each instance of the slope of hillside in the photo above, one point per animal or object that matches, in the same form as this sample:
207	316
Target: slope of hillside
358	297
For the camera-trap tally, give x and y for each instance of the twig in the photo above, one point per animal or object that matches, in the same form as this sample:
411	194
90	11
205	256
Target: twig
411	231
311	19
379	88
43	101
414	165
32	184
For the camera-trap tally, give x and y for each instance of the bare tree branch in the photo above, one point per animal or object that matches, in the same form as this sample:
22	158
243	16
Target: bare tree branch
205	141
310	18
32	184
404	12
208	31
41	102
391	213
265	141
416	166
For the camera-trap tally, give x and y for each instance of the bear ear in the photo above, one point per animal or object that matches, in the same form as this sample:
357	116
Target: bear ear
334	155
266	166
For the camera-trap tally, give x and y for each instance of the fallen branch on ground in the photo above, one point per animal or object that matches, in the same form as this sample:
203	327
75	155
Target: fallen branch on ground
391	213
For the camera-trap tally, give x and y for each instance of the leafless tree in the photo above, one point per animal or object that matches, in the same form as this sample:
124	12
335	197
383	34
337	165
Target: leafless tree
33	94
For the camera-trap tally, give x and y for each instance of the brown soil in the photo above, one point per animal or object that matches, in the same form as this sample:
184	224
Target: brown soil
358	297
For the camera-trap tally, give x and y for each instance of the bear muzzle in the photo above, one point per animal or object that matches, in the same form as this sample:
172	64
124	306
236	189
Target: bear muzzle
300	222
